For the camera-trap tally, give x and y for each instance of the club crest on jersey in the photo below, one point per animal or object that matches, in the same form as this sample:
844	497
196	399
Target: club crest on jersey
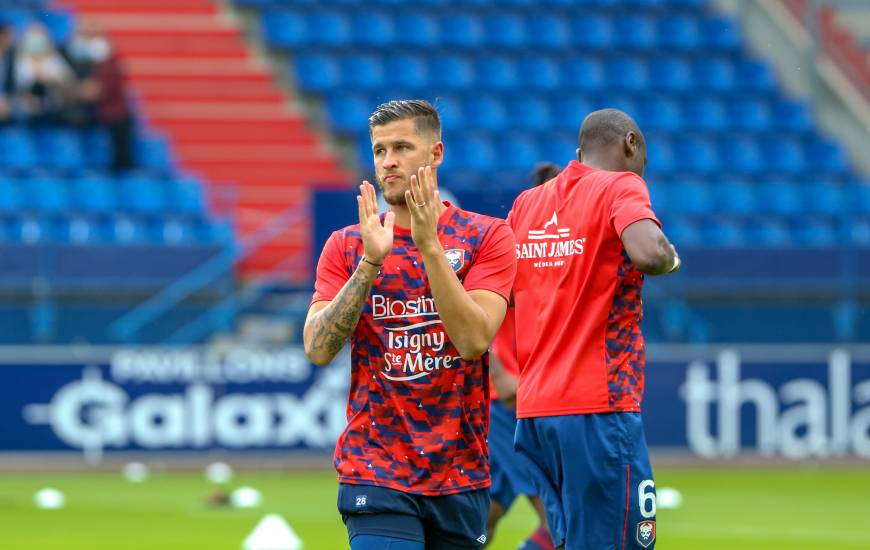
456	257
646	533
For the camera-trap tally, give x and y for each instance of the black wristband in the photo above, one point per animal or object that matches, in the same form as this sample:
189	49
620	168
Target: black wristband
366	260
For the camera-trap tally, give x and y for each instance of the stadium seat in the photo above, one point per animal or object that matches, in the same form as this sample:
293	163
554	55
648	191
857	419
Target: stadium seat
660	155
317	73
705	113
475	152
683	232
539	73
548	32
425	30
529	113
582	74
450	72
283	29
749	113
60	148
768	233
697	155
128	230
689	197
591	32
459	30
141	194
411	69
486	112
780	198
713	74
633	32
176	230
626	74
826	155
496	72
346	111
504	30
79	230
558	147
186	196
754	76
152	152
670	74
791	116
720	33
11	198
517	152
784	156
47	194
734	197
362	72
824	198
814	232
327	28
678	33
659	114
723	233
94	193
372	28
741	154
17	150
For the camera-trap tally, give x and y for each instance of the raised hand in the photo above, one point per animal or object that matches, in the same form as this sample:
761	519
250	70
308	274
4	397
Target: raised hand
424	204
377	238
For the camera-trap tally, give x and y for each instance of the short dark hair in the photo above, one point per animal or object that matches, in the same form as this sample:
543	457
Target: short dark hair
544	172
601	128
426	119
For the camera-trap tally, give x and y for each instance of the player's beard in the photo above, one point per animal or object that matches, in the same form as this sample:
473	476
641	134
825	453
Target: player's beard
394	196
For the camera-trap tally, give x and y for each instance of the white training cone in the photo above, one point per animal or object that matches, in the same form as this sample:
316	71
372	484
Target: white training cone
49	499
668	498
219	472
246	497
272	533
135	472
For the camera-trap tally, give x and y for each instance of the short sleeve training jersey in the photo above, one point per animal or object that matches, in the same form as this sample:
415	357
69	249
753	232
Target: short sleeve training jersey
504	347
418	414
578	295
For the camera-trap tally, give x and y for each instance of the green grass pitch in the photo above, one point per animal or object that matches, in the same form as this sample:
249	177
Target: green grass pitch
770	509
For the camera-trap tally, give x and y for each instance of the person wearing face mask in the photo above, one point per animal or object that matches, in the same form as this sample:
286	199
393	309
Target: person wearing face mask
7	73
106	88
42	76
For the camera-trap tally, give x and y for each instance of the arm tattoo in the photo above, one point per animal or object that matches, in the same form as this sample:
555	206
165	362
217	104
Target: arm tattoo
332	325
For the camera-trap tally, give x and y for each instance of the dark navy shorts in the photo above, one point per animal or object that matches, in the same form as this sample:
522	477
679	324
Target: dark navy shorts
447	522
510	469
593	474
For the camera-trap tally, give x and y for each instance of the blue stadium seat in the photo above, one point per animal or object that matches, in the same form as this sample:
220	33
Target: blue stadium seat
411	69
713	74
720	33
548	32
94	193
792	116
785	156
284	29
754	76
450	72
504	30
689	197
218	232
858	195
362	72
60	24
80	230
475	152
97	147
17	149
826	155
678	33
735	197
626	73
568	111
485	112
32	230
660	155
697	155
671	74
779	197
141	194
176	230
496	72
450	110
741	154
327	28
768	233
517	152
347	111
11	197
683	231
60	148
152	152
539	73
723	233
825	198
317	73
814	232
749	113
530	113
558	147
425	31
372	28
128	230
591	32
634	32
659	114
582	73
47	194
186	196
705	113
459	30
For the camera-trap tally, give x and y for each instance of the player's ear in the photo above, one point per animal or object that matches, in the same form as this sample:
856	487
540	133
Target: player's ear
631	144
437	154
579	155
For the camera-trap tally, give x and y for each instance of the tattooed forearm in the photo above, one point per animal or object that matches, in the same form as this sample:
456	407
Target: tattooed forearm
327	330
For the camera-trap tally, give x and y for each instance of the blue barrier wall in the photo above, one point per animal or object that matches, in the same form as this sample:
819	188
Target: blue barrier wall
780	401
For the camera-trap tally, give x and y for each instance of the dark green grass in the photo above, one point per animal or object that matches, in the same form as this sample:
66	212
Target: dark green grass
767	509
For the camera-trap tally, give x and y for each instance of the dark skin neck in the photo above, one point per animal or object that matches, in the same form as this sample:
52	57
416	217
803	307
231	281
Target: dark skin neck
610	160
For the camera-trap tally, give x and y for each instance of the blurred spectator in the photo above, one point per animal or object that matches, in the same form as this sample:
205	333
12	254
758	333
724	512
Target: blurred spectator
106	89
78	52
42	76
7	73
